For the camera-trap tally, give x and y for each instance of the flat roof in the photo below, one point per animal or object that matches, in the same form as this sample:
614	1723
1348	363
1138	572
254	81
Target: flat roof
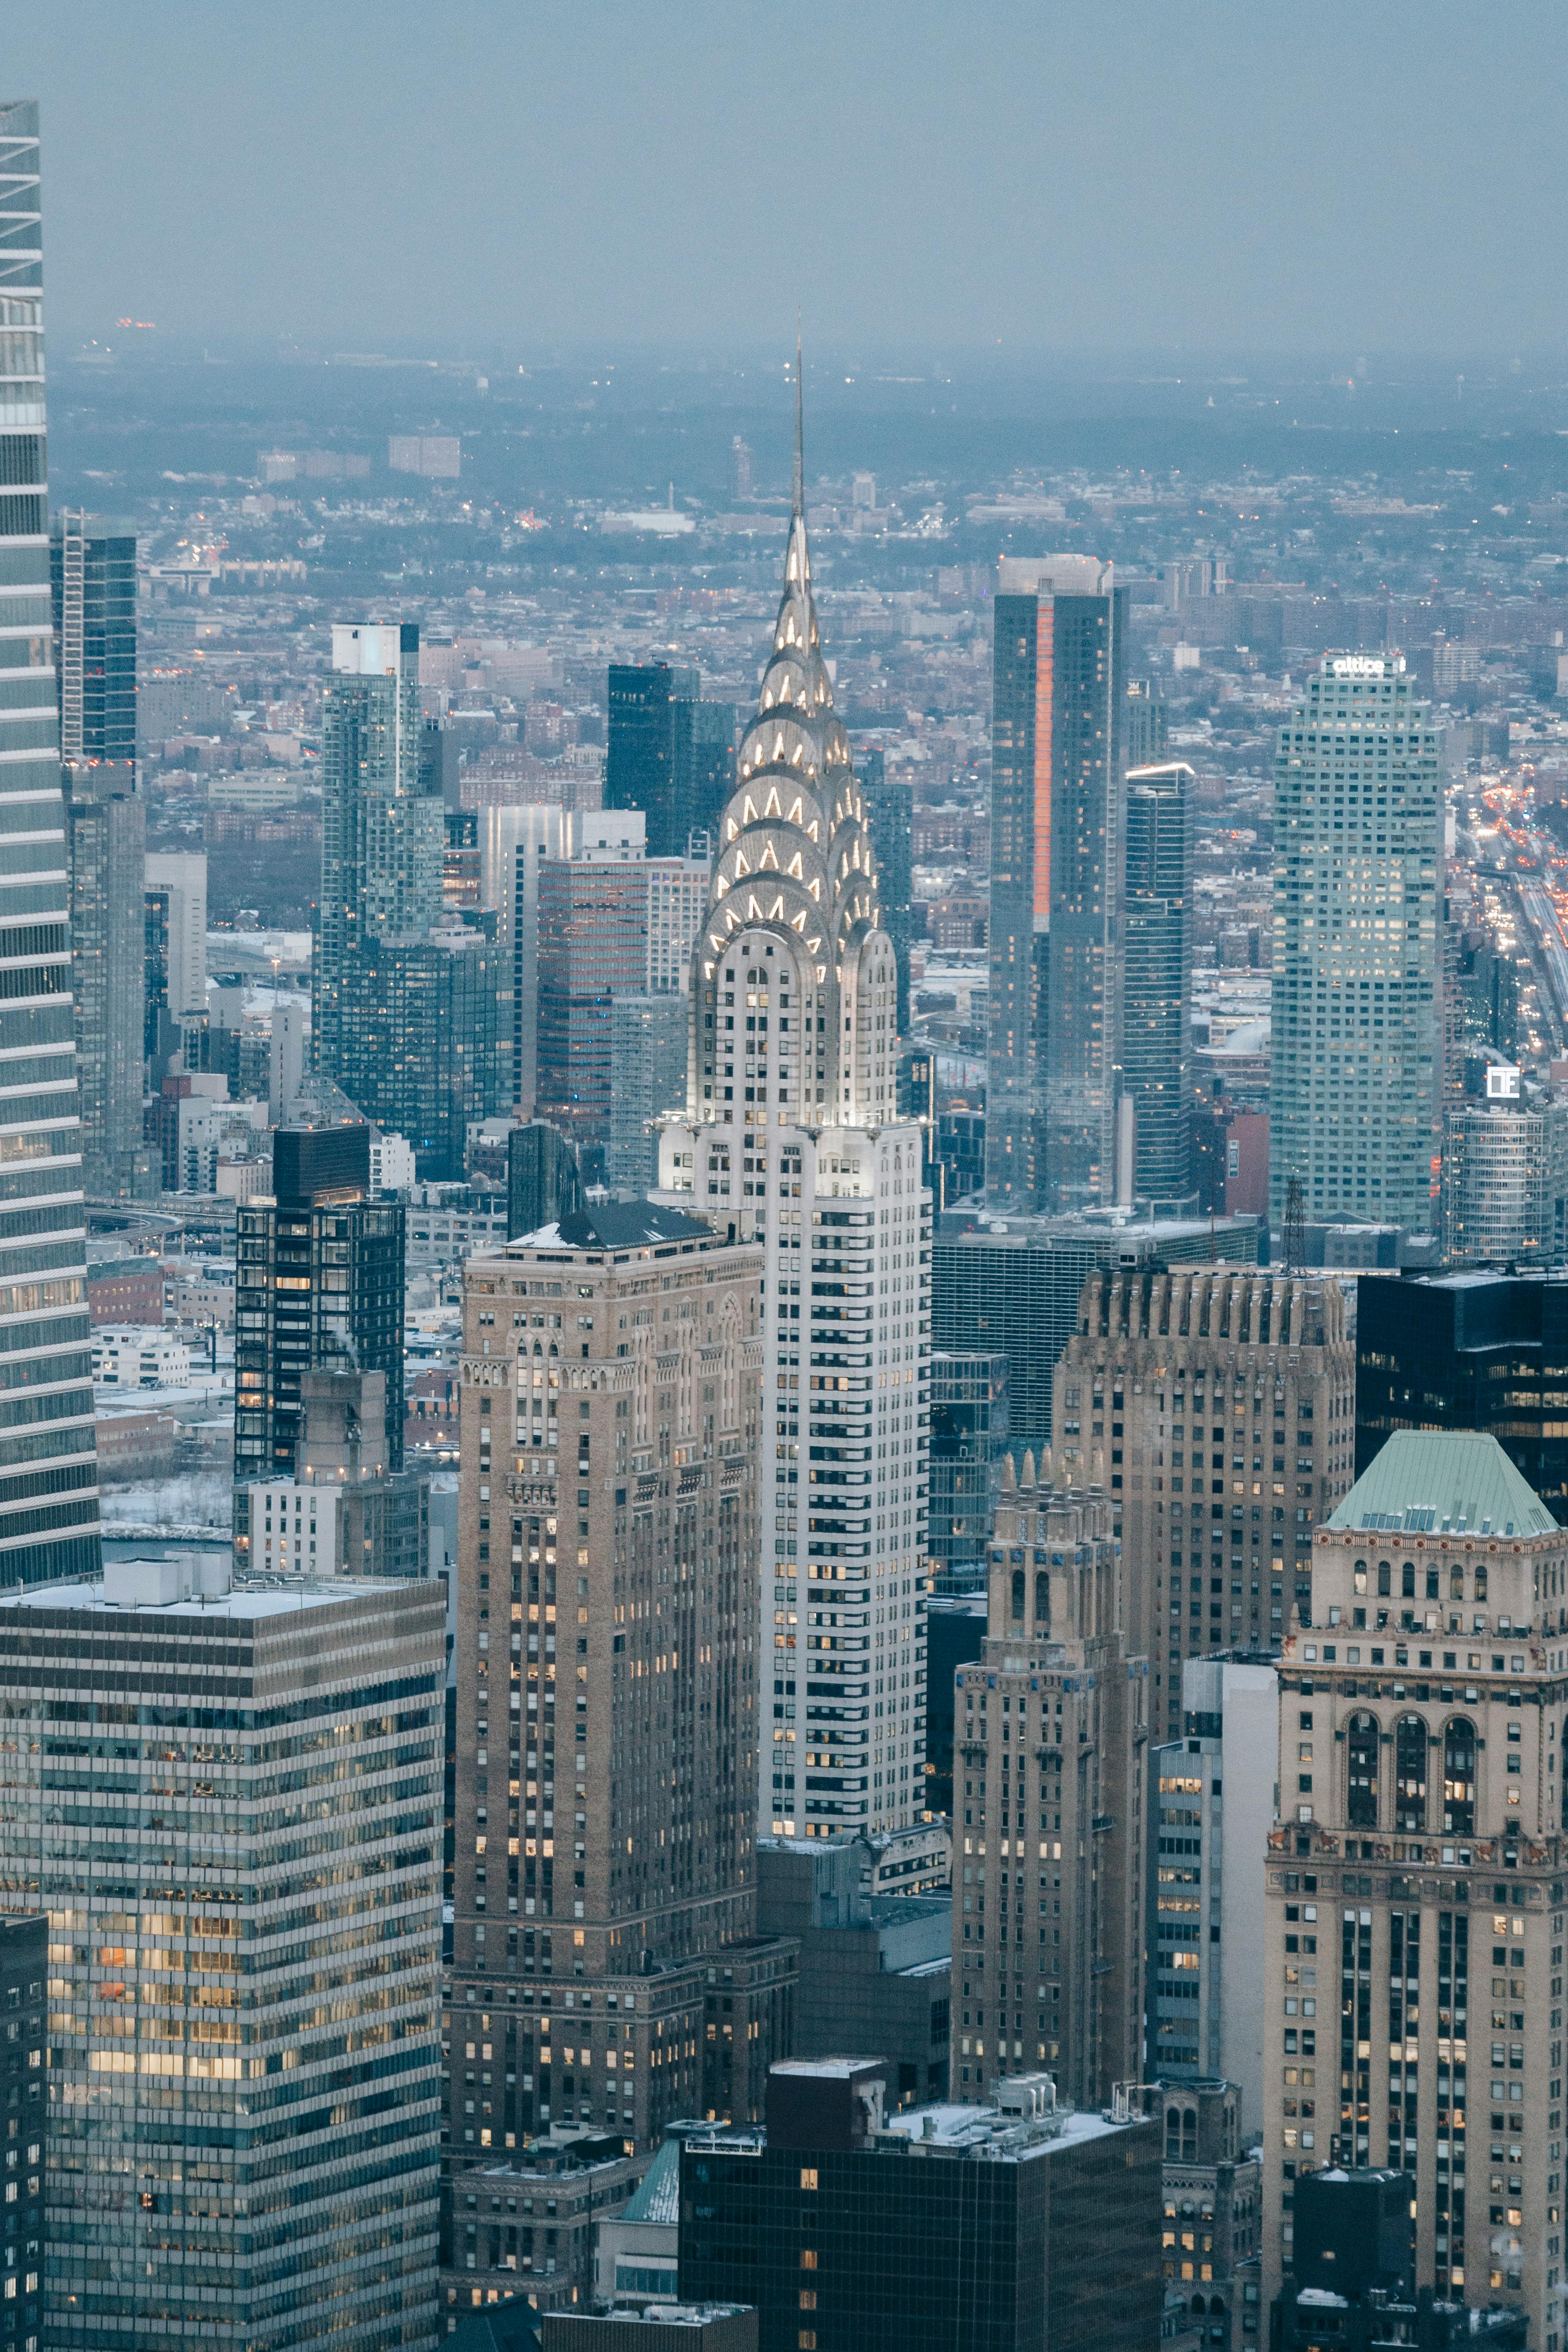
1010	2138
244	1603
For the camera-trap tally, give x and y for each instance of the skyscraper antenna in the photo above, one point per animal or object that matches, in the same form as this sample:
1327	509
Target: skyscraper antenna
797	482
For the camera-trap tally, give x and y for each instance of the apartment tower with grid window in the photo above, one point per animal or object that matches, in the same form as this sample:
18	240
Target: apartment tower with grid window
792	1139
1418	1870
1355	1091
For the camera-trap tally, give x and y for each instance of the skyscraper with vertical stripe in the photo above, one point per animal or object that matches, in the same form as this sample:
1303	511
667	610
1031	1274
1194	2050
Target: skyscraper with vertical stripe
48	1471
1057	759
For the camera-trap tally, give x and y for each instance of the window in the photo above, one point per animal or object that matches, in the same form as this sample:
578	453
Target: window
1410	1773
1362	1767
1460	1778
1018	1596
808	2176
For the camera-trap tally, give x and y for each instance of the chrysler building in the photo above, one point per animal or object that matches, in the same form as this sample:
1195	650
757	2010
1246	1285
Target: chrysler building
793	1136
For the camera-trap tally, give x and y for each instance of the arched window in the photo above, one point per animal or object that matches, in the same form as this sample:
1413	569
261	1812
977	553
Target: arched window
1042	1597
1407	1580
1361	1756
1410	1773
1173	2131
1384	1575
1460	1778
1018	1596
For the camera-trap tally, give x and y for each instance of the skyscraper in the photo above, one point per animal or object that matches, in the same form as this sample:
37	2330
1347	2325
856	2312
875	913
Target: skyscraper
606	1730
792	1139
1415	1878
1211	1802
318	1284
1057	877
640	763
1157	974
92	585
106	836
1048	1772
649	1040
541	1180
593	947
890	815
48	1471
92	581
670	752
1356	1079
1227	1399
201	2078
1495	1193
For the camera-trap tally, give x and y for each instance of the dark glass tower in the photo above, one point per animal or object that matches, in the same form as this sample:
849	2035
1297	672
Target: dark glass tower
640	754
48	1469
891	813
1055	998
319	1285
92	583
670	754
1157	961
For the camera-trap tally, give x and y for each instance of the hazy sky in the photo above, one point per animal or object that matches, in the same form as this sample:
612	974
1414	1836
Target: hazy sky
1327	176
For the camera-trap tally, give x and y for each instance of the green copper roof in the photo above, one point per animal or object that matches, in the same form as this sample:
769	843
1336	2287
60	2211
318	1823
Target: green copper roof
1451	1482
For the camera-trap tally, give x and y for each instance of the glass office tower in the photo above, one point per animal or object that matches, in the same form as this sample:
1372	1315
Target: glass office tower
1059	731
48	1470
92	573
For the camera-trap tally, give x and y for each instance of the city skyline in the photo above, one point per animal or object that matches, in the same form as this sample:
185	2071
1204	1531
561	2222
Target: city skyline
803	1209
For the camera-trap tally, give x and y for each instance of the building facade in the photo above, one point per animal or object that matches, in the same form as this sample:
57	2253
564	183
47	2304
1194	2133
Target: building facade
48	1471
648	1041
1050	1759
1226	1404
969	1436
1414	1879
867	2229
220	2166
384	835
793	1139
1014	1288
1213	2216
1355	1085
1480	1350
319	1283
1157	978
542	1182
1054	1007
1495	1197
1210	1811
640	761
593	947
606	1967
890	809
92	585
23	1985
106	834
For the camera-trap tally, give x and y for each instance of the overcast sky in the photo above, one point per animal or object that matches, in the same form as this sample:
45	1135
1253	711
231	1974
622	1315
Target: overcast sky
502	175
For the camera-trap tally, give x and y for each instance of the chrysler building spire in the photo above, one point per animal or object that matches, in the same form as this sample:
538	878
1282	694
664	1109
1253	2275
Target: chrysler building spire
792	1138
